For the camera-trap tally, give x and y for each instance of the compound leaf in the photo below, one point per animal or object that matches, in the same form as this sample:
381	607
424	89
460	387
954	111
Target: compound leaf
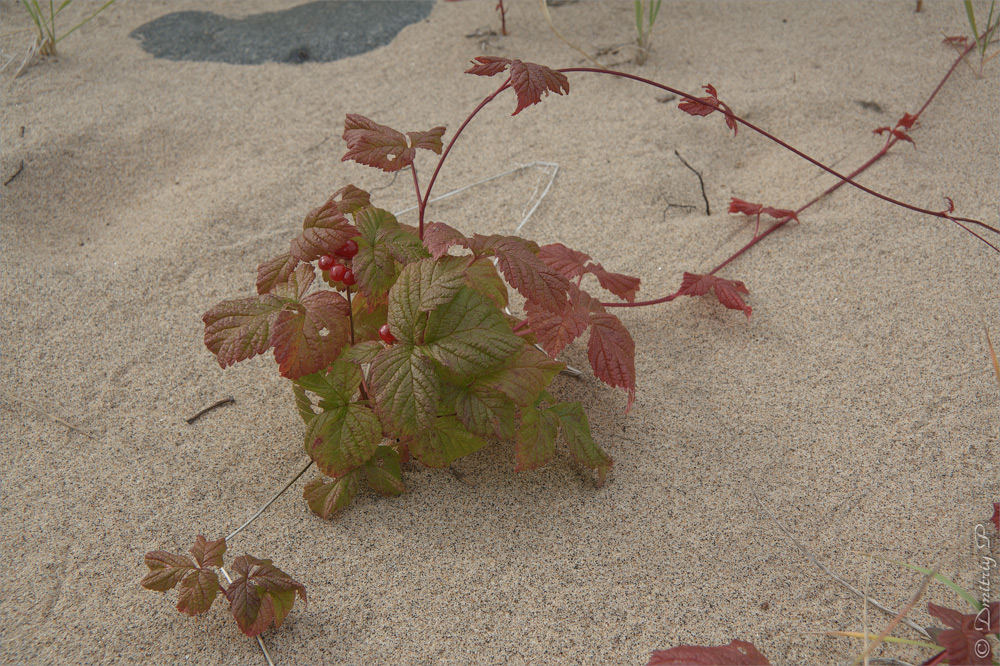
382	147
530	81
240	329
307	337
536	439
444	442
727	291
737	653
261	594
518	260
555	330
326	498
384	472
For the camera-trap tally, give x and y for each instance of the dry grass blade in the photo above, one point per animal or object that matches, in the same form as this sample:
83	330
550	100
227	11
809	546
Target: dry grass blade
53	417
901	616
812	558
993	354
545	11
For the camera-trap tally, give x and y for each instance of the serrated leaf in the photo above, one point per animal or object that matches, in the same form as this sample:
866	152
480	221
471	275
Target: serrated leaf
326	498
362	352
198	590
726	291
469	335
420	288
530	81
295	286
324	231
485	411
555	330
536	439
611	352
303	404
703	106
571	263
368	316
481	276
382	147
166	570
576	433
518	260
525	377
350	199
405	388
342	438
240	329
623	286
275	271
737	653
335	386
261	594
208	553
384	472
444	442
429	140
438	237
309	336
375	266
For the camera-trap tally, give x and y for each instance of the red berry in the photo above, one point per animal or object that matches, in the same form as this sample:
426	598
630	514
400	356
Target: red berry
337	272
386	335
348	278
325	262
348	249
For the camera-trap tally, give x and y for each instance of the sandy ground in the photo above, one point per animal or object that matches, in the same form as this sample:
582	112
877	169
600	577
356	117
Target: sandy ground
858	403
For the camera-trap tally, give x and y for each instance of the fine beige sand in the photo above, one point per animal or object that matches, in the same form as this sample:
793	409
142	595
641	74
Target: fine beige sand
858	403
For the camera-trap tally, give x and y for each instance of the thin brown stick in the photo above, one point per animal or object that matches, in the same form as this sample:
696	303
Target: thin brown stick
224	401
708	210
16	173
55	418
826	570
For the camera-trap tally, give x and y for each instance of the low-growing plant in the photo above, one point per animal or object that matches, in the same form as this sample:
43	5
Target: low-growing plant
406	347
645	18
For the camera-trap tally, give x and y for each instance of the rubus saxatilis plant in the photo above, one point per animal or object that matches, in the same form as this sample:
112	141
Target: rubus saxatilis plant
406	347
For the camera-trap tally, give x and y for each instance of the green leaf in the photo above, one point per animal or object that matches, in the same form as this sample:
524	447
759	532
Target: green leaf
485	411
336	386
519	262
308	337
527	374
384	472
368	317
342	438
240	329
303	404
576	433
536	439
444	442
261	594
375	266
469	335
198	591
361	353
405	388
481	276
326	498
421	287
166	570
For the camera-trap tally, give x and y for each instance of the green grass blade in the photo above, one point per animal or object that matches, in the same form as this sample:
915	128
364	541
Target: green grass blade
971	14
887	639
81	23
955	587
34	12
654	9
638	19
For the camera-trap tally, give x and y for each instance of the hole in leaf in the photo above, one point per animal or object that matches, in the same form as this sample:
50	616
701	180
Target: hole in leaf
323	332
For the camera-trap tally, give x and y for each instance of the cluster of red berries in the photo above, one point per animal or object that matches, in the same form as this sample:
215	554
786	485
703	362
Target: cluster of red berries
339	272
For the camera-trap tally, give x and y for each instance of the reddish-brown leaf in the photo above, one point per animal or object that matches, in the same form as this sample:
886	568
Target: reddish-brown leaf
275	271
748	208
530	81
727	291
622	286
350	199
899	134
611	351
906	121
382	147
208	553
737	653
965	641
308	337
703	106
197	591
956	41
260	594
567	261
995	518
553	330
166	570
438	237
429	140
518	260
323	232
